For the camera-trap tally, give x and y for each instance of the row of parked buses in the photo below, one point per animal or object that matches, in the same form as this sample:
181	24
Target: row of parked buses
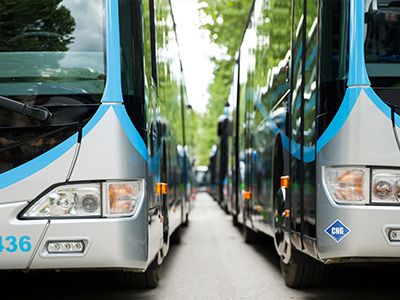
314	152
94	171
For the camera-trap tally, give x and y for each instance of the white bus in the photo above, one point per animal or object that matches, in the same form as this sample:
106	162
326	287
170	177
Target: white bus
92	118
316	132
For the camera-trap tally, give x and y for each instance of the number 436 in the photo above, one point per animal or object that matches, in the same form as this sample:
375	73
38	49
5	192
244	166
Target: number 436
11	244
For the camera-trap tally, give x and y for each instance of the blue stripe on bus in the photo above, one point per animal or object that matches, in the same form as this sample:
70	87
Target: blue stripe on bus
136	140
35	165
382	106
130	131
312	57
341	116
112	92
101	111
296	63
295	149
397	120
357	70
154	162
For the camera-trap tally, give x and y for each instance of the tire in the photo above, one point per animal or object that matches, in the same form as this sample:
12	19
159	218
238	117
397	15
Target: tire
226	209
249	235
175	237
235	220
186	224
279	202
303	275
147	280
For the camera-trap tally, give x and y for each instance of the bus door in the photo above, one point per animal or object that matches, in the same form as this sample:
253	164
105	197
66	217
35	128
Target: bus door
155	127
302	112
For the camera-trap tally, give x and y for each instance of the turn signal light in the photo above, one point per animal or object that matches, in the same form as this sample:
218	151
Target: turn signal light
162	188
347	185
123	197
285	181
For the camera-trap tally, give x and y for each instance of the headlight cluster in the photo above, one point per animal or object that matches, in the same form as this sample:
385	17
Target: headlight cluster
353	185
347	185
108	199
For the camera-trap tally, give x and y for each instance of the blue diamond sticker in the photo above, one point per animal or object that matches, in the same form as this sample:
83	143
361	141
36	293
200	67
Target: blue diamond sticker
337	231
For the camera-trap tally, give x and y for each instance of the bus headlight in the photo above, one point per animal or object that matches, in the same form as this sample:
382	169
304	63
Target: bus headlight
385	186
80	200
123	198
107	199
347	185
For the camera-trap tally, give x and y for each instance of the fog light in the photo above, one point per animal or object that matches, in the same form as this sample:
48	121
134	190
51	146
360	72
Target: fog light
394	235
62	247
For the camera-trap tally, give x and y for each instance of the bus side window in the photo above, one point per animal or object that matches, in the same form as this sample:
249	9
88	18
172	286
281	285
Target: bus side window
153	42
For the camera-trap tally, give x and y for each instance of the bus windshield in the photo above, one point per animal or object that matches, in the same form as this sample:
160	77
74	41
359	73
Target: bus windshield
382	51
52	51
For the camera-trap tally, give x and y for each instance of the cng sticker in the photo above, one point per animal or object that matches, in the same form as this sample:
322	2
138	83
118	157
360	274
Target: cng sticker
337	230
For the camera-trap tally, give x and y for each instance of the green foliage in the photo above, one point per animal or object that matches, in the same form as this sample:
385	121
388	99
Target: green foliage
43	25
34	26
192	123
225	21
169	77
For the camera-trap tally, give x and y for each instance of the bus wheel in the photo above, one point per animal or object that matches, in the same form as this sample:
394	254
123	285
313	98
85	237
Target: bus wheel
235	219
302	274
147	280
175	237
249	235
186	223
281	238
298	269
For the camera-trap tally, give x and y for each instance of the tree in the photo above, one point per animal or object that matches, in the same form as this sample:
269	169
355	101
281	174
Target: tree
225	21
34	26
42	25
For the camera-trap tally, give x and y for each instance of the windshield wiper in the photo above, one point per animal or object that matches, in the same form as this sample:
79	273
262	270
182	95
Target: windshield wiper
38	113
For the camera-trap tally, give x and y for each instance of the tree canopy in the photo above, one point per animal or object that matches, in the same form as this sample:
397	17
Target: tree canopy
43	25
225	22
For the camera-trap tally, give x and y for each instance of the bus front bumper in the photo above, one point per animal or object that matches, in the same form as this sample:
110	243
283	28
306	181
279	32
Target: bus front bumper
357	233
107	243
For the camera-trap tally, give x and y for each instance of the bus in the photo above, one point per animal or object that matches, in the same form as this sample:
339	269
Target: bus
92	114
315	145
224	132
213	172
218	170
200	178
